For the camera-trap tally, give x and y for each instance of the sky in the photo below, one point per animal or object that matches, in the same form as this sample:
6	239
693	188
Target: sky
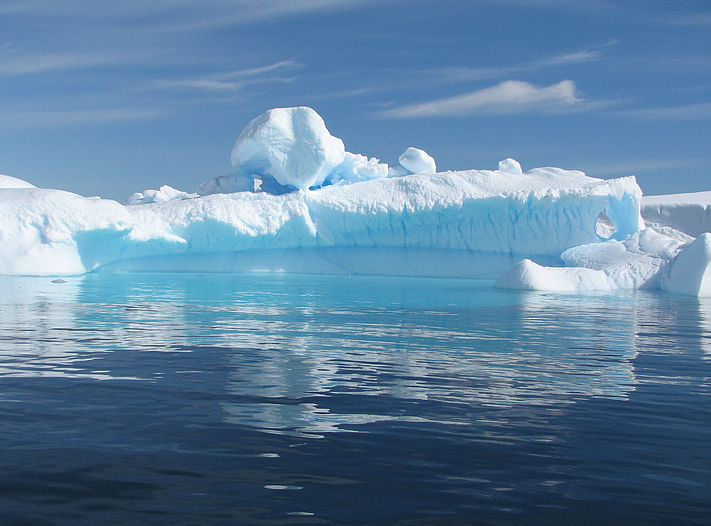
109	98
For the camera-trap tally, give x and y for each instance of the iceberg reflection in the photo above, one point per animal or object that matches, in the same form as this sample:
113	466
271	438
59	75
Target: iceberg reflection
539	350
308	355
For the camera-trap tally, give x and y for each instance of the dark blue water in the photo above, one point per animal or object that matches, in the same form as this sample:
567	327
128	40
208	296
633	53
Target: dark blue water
286	400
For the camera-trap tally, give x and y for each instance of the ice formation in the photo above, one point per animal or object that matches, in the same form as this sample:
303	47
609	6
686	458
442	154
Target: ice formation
297	201
511	166
163	194
287	149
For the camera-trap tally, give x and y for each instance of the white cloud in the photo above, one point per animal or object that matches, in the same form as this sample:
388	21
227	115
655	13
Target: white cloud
508	97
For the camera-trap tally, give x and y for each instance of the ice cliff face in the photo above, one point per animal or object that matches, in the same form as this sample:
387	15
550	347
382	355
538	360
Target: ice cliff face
539	213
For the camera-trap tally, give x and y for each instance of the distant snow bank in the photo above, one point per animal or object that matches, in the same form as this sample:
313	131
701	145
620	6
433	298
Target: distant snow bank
690	213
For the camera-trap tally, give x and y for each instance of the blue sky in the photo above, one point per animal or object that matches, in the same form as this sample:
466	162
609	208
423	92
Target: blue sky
108	98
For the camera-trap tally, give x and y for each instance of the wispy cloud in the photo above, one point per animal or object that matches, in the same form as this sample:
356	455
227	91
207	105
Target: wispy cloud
577	57
73	117
13	64
702	20
176	14
688	112
509	97
17	62
279	72
467	74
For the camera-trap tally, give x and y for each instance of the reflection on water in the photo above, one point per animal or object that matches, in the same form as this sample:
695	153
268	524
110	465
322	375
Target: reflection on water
189	399
291	347
705	324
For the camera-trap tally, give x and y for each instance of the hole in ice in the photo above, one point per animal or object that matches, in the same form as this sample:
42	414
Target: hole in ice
604	226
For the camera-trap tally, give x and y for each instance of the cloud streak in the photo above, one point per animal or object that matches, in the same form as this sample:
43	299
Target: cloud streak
175	14
508	97
78	117
688	112
231	81
466	74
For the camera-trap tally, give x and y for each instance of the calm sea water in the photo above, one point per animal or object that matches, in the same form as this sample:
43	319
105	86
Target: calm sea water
269	399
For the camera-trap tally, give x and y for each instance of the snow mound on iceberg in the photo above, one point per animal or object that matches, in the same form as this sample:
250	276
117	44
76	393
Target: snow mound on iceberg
287	149
163	194
417	161
511	166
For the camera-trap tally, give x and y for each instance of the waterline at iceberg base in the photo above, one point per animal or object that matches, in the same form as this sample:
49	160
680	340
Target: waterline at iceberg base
303	204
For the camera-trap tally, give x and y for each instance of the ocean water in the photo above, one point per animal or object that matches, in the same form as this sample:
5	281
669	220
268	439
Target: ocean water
278	399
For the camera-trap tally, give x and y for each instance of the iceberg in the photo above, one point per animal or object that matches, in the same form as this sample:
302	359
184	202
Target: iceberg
297	201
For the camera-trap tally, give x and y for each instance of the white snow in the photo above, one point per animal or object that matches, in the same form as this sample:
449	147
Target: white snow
7	181
297	201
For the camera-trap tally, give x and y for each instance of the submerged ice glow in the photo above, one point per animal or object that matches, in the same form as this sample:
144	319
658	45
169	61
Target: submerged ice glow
297	200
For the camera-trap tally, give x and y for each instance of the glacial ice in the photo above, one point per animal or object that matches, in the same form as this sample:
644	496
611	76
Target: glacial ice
298	201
